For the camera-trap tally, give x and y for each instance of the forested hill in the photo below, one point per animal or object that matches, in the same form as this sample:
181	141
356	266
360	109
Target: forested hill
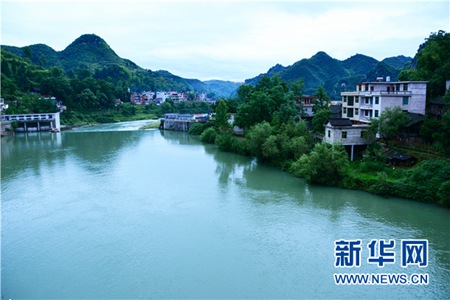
335	75
91	54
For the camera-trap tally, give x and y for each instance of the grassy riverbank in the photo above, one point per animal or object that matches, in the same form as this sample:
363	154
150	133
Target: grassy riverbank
127	112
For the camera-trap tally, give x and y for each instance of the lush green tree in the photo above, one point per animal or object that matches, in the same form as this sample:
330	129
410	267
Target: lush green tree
86	99
222	115
167	107
319	120
256	110
58	87
442	135
298	87
326	164
209	135
297	146
271	150
431	63
390	124
257	136
322	101
286	111
270	101
429	127
428	181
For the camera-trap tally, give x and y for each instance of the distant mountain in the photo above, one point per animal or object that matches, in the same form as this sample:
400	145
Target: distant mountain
90	52
399	62
360	64
41	54
222	88
335	75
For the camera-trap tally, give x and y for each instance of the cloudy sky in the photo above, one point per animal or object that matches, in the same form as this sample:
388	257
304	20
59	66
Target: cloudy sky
228	39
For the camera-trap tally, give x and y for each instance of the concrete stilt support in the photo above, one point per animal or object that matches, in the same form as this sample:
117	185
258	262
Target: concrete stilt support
351	153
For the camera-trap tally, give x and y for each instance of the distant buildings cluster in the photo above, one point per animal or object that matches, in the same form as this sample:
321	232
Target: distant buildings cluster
161	96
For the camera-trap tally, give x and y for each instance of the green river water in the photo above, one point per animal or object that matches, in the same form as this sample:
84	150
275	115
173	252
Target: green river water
114	212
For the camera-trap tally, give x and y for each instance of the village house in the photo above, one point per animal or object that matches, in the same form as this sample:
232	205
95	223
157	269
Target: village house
3	106
161	96
368	101
306	103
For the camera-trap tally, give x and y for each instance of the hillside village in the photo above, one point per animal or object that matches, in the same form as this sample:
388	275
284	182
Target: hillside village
160	97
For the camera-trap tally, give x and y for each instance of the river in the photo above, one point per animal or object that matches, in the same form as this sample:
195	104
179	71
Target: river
114	212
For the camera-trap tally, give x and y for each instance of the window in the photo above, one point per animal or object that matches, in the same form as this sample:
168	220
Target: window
356	99
344	99
377	100
405	100
329	133
345	110
376	113
397	87
350	113
344	134
356	112
368	113
405	87
350	100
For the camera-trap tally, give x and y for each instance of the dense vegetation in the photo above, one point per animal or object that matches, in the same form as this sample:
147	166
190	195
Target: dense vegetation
275	134
88	77
432	64
91	54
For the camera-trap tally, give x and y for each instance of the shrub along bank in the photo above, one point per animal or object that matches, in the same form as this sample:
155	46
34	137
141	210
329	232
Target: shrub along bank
290	147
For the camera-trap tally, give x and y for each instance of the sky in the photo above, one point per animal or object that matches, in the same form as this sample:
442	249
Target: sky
227	39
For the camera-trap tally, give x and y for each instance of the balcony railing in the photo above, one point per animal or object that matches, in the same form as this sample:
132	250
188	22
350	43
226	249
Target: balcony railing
28	117
396	93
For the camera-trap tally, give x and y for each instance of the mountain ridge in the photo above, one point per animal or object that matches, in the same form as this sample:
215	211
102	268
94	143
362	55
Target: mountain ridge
92	53
335	75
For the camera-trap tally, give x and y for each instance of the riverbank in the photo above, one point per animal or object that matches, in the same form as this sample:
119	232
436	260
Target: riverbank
290	148
89	119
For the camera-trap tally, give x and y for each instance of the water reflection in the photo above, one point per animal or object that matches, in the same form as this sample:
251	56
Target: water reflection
30	150
37	150
358	209
180	138
182	216
100	147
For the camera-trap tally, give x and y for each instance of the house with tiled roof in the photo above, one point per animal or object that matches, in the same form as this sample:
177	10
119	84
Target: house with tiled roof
368	101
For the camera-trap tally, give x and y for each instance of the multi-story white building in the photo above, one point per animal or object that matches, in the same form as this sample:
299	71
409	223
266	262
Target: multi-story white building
371	98
368	101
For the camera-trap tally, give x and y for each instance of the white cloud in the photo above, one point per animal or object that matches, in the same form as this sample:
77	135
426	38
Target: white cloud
227	39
